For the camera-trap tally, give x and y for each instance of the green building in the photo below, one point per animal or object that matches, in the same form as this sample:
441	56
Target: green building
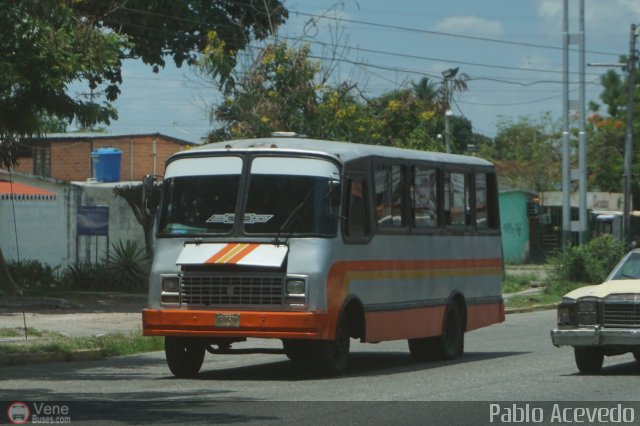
514	221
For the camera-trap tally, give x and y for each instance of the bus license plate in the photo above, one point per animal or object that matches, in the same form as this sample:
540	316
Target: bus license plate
227	320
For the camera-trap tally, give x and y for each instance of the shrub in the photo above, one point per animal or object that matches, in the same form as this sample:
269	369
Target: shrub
85	276
590	263
35	276
127	266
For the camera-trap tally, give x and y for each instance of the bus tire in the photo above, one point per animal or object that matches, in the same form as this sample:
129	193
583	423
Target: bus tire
184	355
588	359
636	355
332	356
450	345
298	351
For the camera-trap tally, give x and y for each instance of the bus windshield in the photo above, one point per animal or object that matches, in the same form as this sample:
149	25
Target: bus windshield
284	197
289	204
199	204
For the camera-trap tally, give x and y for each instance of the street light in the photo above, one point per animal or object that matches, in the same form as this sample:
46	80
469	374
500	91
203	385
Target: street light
447	131
447	74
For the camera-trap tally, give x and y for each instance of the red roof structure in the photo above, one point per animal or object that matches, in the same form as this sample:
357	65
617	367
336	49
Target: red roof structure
20	191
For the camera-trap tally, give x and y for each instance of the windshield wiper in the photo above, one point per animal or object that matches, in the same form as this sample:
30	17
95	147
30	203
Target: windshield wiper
293	214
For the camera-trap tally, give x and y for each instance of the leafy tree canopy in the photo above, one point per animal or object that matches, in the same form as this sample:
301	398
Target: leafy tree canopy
285	90
47	45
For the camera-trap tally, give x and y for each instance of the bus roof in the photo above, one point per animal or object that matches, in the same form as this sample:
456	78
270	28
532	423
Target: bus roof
341	151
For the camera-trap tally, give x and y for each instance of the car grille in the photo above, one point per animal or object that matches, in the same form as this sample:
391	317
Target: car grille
232	289
621	314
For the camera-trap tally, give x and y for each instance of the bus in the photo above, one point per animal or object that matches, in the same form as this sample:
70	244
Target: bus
318	242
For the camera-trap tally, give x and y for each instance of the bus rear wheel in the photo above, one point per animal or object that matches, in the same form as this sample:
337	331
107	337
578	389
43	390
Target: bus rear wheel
332	356
184	355
447	346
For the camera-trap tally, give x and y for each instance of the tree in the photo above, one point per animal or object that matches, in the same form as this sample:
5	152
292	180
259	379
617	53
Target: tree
47	45
144	214
527	152
607	135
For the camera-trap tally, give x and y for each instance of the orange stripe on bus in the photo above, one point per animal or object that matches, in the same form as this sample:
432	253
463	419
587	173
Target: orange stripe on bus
226	249
244	252
341	273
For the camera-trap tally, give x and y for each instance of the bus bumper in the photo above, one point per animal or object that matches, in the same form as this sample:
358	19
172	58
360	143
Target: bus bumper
201	323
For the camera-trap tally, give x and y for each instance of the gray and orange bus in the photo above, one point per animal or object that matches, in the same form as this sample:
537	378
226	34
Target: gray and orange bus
316	242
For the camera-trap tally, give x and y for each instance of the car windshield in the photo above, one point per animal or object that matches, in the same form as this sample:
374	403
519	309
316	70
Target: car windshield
628	269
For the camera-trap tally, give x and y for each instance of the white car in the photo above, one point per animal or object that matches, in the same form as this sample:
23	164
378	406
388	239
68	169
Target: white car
604	319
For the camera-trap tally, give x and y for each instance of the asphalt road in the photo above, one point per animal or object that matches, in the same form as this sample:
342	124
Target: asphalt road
513	361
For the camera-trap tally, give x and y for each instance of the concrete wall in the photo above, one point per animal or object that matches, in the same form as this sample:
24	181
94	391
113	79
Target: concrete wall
46	229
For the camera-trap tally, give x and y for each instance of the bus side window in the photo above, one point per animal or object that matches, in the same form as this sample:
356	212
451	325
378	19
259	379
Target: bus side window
456	199
357	220
424	197
481	201
389	196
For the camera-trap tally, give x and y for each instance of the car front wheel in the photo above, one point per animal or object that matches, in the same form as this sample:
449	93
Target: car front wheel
588	360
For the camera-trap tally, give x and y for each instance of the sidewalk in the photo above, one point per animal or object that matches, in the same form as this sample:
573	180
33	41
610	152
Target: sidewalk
79	314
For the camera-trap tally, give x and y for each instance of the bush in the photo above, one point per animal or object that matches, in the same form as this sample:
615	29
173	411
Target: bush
33	276
127	266
590	263
86	276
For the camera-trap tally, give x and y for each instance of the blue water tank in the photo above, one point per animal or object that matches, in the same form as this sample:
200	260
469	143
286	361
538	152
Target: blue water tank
106	164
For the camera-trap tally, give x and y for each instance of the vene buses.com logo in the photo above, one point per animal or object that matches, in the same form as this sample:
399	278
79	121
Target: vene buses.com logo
18	413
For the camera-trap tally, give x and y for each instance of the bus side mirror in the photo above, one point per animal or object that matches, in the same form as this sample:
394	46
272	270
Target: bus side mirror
335	193
148	184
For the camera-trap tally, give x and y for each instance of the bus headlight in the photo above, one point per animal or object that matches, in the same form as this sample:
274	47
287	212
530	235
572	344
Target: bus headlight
296	287
171	284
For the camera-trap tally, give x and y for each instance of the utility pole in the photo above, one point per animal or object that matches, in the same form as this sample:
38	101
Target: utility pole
566	160
573	39
447	75
628	143
630	68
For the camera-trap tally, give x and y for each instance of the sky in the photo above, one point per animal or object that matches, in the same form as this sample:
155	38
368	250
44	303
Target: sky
510	49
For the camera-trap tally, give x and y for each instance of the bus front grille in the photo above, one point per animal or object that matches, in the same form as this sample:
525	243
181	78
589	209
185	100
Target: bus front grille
621	314
232	289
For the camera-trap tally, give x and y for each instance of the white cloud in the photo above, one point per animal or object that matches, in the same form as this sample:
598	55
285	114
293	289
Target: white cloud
470	25
610	17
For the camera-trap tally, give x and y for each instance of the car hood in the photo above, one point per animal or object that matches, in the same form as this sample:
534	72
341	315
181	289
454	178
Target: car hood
606	288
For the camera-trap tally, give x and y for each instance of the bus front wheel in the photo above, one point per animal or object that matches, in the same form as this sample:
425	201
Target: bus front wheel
332	356
184	355
298	351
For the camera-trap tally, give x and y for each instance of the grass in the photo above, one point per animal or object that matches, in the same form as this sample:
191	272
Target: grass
512	283
113	344
553	292
19	332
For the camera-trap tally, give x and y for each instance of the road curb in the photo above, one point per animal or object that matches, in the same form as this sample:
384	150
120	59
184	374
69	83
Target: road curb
11	359
533	308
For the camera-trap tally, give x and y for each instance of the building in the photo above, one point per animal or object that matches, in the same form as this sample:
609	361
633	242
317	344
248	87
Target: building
43	202
515	225
67	156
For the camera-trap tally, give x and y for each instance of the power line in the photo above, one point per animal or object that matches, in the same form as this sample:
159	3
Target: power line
445	34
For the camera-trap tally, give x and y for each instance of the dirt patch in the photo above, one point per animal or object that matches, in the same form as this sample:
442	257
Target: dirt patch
75	314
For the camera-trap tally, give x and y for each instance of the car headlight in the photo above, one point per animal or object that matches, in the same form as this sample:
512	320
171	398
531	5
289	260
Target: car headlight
587	312
564	315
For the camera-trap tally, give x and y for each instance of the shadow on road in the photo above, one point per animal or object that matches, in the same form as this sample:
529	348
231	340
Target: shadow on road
360	365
